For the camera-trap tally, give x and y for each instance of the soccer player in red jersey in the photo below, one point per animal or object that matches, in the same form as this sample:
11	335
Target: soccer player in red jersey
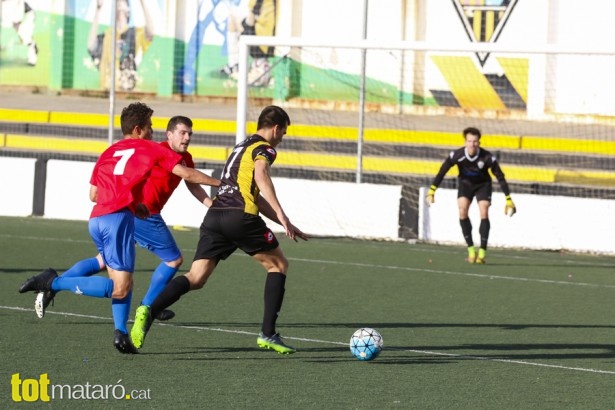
116	187
150	233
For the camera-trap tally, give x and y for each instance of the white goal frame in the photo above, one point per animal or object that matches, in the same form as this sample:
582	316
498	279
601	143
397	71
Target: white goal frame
537	92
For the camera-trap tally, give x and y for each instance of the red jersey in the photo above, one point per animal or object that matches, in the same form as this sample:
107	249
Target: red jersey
161	183
123	168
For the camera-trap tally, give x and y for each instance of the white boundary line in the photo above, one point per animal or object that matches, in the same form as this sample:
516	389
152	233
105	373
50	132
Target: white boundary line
422	352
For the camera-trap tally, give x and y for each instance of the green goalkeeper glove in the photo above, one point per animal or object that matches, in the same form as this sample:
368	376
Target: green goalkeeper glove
429	199
510	209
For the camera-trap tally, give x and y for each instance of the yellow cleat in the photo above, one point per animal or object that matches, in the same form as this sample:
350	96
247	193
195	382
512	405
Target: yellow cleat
482	253
471	254
274	343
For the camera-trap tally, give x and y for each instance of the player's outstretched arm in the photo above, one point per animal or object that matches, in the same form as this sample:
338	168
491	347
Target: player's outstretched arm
195	176
273	207
199	193
266	209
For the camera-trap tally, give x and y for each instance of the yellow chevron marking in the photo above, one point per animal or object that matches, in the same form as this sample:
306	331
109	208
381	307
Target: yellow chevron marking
516	70
469	86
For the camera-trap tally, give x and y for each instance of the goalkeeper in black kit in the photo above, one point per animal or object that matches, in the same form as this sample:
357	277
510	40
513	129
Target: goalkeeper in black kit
474	164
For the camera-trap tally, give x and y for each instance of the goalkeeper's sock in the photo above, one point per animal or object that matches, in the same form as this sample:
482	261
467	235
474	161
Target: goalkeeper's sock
160	278
466	229
95	286
85	267
483	229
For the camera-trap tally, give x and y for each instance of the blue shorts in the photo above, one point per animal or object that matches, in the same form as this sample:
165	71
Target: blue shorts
154	235
114	237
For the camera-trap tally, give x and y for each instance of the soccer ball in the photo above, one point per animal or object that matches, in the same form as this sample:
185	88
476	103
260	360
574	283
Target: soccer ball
366	343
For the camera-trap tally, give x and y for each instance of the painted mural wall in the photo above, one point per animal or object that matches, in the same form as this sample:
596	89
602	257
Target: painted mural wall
189	47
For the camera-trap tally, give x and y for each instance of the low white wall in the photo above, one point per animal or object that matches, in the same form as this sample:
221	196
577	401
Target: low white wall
67	193
541	222
344	209
16	186
340	208
316	207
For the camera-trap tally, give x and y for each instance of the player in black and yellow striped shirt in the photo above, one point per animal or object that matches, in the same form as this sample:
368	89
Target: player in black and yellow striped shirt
233	222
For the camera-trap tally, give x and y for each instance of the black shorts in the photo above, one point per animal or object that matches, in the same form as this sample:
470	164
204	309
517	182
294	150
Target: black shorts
468	189
225	230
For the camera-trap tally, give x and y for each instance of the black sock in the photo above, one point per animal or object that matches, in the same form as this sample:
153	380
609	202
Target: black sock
274	295
170	294
466	230
483	229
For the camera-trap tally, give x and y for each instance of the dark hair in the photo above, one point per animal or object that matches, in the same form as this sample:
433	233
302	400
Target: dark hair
133	115
176	120
271	116
471	130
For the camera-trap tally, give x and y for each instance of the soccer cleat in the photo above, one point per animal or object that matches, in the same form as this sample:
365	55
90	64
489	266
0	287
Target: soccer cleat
122	342
480	259
43	299
143	321
275	343
471	254
40	282
165	315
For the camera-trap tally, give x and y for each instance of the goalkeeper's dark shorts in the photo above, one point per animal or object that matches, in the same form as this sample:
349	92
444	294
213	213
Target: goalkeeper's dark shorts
225	230
468	189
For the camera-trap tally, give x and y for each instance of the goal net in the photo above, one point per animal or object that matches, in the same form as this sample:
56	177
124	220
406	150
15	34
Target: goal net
389	113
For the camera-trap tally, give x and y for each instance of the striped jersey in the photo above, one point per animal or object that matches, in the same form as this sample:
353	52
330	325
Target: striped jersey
238	189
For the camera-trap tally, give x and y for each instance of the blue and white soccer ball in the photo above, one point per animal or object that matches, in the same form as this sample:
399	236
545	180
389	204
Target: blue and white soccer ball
366	343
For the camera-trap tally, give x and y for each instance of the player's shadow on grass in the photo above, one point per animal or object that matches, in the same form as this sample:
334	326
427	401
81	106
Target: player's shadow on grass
210	353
